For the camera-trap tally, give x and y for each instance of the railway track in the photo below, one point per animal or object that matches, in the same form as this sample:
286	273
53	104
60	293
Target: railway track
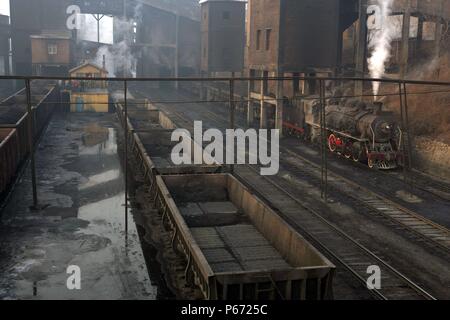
429	184
427	230
419	179
342	247
352	255
377	204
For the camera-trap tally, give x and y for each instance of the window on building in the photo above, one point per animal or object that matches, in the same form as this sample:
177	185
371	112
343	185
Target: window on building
258	40
268	37
52	49
226	15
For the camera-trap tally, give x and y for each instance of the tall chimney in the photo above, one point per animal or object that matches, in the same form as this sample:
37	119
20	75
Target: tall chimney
104	62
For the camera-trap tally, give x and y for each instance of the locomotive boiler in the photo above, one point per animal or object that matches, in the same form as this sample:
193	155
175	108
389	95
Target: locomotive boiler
355	129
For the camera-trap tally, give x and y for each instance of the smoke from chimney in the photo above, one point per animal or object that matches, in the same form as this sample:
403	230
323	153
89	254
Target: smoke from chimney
380	42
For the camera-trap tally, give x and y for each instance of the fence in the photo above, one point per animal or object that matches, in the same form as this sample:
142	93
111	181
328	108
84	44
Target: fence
251	98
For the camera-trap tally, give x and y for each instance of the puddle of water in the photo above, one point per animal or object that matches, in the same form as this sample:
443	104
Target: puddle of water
100	178
93	134
91	236
106	144
110	210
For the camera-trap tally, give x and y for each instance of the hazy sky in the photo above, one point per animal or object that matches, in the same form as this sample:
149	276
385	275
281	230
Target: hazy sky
4	7
89	29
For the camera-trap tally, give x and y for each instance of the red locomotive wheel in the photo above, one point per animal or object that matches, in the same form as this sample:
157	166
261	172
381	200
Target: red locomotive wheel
332	143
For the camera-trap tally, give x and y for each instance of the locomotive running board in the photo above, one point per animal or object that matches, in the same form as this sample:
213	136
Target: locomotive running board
337	132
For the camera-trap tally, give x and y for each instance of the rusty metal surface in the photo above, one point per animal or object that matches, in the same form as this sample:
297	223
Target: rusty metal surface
150	140
14	146
234	253
9	157
238	248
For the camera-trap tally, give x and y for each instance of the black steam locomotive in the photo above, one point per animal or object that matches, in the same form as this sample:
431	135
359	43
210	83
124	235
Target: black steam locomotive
357	130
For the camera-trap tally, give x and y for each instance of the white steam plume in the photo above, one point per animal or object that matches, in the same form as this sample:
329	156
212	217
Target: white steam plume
119	56
381	37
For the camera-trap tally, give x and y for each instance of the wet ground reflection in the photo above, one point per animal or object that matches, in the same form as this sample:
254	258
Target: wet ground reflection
81	180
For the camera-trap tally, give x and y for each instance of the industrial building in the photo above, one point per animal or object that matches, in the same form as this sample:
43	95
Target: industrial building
24	25
4	45
154	39
223	36
167	44
283	44
421	26
341	48
143	163
51	53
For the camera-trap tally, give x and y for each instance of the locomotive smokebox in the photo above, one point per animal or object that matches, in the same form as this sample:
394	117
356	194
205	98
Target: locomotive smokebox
377	108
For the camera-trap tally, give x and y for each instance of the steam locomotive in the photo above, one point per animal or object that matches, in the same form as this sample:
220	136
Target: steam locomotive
359	131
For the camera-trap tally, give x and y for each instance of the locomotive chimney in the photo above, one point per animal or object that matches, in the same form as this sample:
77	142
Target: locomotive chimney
377	108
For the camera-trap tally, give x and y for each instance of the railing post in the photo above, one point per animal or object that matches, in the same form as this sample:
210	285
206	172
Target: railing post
323	142
408	132
31	143
250	112
232	105
403	134
126	160
232	113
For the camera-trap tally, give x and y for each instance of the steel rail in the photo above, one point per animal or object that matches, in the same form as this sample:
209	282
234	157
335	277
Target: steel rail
367	251
399	207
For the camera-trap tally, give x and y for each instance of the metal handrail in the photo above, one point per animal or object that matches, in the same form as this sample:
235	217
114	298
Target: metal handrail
210	79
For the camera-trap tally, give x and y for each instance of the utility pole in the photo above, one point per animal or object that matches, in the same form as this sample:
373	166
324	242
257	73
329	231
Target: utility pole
125	36
126	128
177	52
98	17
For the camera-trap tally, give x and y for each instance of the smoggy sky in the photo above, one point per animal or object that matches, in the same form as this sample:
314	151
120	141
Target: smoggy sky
4	7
